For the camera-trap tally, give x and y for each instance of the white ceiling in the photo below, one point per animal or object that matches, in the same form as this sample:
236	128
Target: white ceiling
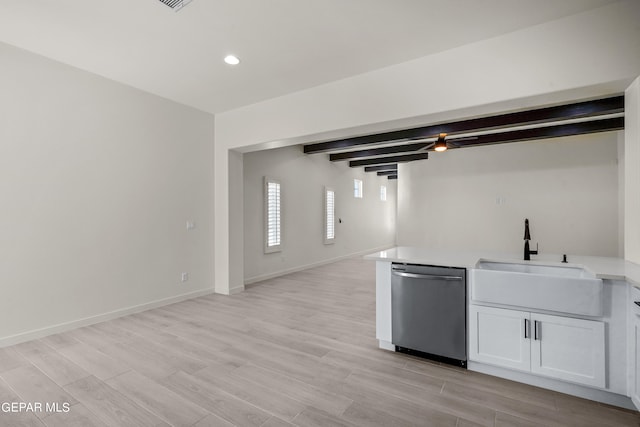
284	45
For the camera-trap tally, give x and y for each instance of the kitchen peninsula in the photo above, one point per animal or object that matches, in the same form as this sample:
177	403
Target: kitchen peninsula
586	342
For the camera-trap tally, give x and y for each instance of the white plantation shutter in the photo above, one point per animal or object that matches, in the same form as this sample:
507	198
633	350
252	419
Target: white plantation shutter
331	226
329	215
357	188
273	215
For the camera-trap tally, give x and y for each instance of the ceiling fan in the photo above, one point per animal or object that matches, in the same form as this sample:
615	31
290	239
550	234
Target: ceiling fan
442	143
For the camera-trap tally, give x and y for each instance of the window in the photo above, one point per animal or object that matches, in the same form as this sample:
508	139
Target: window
383	193
273	215
329	215
357	188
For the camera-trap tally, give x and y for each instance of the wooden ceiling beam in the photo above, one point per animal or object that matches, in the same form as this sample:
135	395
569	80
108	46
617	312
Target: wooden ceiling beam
547	132
390	167
580	128
404	148
389	159
541	115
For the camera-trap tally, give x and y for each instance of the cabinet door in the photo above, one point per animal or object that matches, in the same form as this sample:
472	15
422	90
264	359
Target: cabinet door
633	344
568	349
383	301
635	369
499	337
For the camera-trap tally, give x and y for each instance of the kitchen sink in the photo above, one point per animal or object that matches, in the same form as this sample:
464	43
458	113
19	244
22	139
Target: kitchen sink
564	288
529	267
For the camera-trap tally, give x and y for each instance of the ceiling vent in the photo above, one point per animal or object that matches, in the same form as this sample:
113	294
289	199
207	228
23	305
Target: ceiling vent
176	4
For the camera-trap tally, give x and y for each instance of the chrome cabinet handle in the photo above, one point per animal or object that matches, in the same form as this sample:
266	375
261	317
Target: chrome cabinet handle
526	328
536	332
426	276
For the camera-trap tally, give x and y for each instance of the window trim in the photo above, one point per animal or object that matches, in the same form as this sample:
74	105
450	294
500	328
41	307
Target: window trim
273	248
325	228
383	193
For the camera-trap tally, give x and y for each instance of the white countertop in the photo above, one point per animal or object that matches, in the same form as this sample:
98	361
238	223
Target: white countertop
602	267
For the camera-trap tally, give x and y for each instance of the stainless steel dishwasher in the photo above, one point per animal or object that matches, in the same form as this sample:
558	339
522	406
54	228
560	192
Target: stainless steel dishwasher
429	312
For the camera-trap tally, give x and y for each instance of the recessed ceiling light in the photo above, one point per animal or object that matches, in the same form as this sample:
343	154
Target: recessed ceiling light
231	60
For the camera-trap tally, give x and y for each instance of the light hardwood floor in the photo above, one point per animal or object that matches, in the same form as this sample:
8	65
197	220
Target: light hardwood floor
296	350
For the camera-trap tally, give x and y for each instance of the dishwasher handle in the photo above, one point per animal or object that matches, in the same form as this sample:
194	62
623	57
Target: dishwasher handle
425	276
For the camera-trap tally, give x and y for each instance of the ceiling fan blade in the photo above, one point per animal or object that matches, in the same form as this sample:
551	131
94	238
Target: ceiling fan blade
454	141
427	147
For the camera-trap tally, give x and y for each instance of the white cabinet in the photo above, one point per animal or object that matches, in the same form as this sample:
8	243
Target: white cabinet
383	305
635	362
497	337
634	346
568	349
552	346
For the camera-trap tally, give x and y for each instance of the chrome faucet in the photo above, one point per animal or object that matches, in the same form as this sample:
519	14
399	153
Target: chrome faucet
527	237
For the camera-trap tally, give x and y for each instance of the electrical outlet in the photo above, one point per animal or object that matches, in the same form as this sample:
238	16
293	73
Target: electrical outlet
184	277
191	225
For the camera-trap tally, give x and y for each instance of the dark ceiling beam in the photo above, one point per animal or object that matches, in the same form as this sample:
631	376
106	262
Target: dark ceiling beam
385	173
389	159
405	148
392	177
581	128
548	114
391	167
602	125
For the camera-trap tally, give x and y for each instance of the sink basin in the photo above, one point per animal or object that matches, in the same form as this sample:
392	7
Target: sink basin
529	268
570	289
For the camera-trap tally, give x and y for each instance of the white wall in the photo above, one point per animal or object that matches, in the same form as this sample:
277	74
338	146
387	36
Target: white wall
585	55
632	172
477	198
97	181
367	223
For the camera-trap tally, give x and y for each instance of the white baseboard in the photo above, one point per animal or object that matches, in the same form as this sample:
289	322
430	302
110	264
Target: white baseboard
556	385
279	273
62	327
236	290
386	345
